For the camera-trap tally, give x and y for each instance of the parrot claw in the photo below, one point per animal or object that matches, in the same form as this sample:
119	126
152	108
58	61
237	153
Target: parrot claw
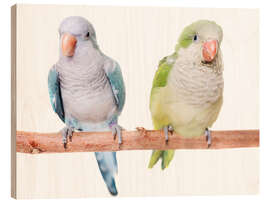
117	131
170	128
67	133
208	137
166	130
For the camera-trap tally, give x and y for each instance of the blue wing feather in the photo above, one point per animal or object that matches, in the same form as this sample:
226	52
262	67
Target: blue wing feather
55	93
117	83
107	160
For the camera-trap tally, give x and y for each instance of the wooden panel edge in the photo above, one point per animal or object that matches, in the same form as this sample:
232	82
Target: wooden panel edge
13	100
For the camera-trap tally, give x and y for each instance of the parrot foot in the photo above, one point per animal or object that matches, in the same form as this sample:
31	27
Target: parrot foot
117	131
208	137
166	130
66	133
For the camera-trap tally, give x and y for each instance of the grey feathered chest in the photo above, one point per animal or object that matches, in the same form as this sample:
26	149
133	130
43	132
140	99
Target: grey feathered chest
86	91
194	83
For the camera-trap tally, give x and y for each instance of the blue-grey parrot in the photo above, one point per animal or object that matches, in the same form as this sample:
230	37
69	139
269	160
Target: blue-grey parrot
86	90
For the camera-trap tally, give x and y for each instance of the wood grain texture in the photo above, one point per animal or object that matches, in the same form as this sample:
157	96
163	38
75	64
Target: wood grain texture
142	139
140	37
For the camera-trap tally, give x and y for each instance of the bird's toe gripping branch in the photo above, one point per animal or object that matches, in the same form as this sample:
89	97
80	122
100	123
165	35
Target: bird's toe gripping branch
166	130
66	133
117	131
208	137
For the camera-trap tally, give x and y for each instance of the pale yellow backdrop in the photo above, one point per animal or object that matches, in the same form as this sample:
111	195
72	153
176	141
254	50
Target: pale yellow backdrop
137	38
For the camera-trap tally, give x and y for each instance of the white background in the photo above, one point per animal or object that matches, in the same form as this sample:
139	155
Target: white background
264	98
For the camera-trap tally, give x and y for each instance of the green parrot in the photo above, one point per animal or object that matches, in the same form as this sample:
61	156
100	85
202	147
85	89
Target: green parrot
186	95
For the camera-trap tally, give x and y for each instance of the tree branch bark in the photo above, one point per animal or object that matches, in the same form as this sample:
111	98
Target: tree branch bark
142	139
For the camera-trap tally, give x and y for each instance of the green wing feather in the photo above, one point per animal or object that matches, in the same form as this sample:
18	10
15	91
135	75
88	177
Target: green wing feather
161	76
160	80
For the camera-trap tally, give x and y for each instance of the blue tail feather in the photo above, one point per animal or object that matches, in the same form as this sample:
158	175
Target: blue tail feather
107	164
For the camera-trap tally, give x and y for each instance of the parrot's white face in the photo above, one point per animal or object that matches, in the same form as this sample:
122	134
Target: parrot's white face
77	37
204	49
207	41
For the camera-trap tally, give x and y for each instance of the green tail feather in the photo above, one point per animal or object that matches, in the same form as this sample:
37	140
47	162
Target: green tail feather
165	155
156	154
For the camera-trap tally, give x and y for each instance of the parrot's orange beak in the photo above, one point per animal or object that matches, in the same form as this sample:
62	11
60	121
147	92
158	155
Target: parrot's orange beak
209	50
68	44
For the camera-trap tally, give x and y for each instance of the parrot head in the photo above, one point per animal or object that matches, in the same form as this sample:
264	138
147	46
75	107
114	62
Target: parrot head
202	39
77	36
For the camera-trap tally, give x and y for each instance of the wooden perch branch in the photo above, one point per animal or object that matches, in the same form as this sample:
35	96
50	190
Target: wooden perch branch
31	142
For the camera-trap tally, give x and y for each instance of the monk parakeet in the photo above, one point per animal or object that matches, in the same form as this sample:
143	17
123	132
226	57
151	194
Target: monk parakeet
87	90
186	95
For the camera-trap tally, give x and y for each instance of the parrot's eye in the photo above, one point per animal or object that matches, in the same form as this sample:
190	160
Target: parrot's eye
88	34
195	38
